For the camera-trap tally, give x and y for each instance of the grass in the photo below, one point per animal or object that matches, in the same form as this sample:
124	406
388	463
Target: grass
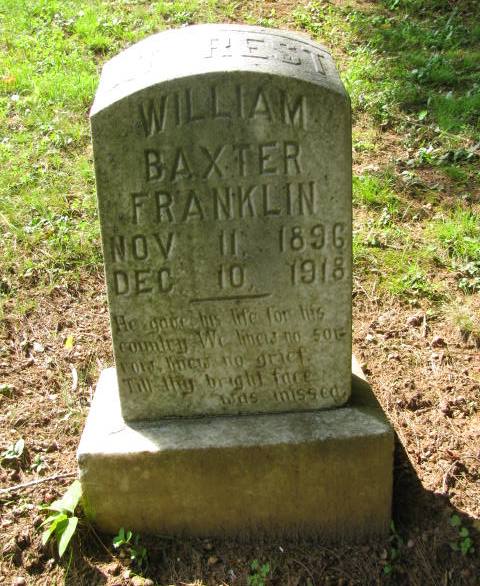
376	193
409	280
419	60
459	234
410	66
465	316
458	239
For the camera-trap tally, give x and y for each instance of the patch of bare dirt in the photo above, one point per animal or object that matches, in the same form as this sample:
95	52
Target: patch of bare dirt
427	379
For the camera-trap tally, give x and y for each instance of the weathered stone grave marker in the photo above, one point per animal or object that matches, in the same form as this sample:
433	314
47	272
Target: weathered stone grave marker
224	187
223	165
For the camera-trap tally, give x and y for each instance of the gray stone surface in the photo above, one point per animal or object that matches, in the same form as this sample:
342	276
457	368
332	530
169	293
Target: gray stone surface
223	166
325	473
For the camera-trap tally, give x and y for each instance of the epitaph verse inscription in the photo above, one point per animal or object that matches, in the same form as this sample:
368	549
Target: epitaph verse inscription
224	200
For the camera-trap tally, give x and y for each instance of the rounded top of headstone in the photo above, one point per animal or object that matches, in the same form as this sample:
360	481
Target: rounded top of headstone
214	48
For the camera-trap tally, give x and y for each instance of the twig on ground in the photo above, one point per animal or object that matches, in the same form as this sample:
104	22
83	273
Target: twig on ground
450	472
307	570
446	478
358	285
35	482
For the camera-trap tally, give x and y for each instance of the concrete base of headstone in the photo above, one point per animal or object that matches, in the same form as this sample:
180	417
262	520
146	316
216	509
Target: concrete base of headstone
324	474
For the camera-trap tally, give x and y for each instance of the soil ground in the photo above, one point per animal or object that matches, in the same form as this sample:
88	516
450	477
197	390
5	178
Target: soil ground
424	375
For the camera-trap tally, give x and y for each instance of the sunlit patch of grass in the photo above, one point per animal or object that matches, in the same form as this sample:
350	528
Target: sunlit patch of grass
464	314
327	23
412	59
402	263
369	85
459	234
406	276
413	281
183	12
26	306
268	21
178	13
359	249
384	233
375	192
458	238
310	16
364	139
50	70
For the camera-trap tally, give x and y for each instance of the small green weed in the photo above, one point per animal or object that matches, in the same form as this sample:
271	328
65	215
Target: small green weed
6	390
258	573
457	156
62	523
469	277
463	542
129	542
394	551
14	452
38	465
456	173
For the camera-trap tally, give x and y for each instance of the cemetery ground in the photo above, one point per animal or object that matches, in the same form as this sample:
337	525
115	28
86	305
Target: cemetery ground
411	68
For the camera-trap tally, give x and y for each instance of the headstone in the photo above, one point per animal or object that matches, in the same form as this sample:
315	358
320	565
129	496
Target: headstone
223	164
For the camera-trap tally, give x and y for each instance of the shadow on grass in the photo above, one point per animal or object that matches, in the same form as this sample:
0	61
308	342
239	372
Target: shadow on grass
420	57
